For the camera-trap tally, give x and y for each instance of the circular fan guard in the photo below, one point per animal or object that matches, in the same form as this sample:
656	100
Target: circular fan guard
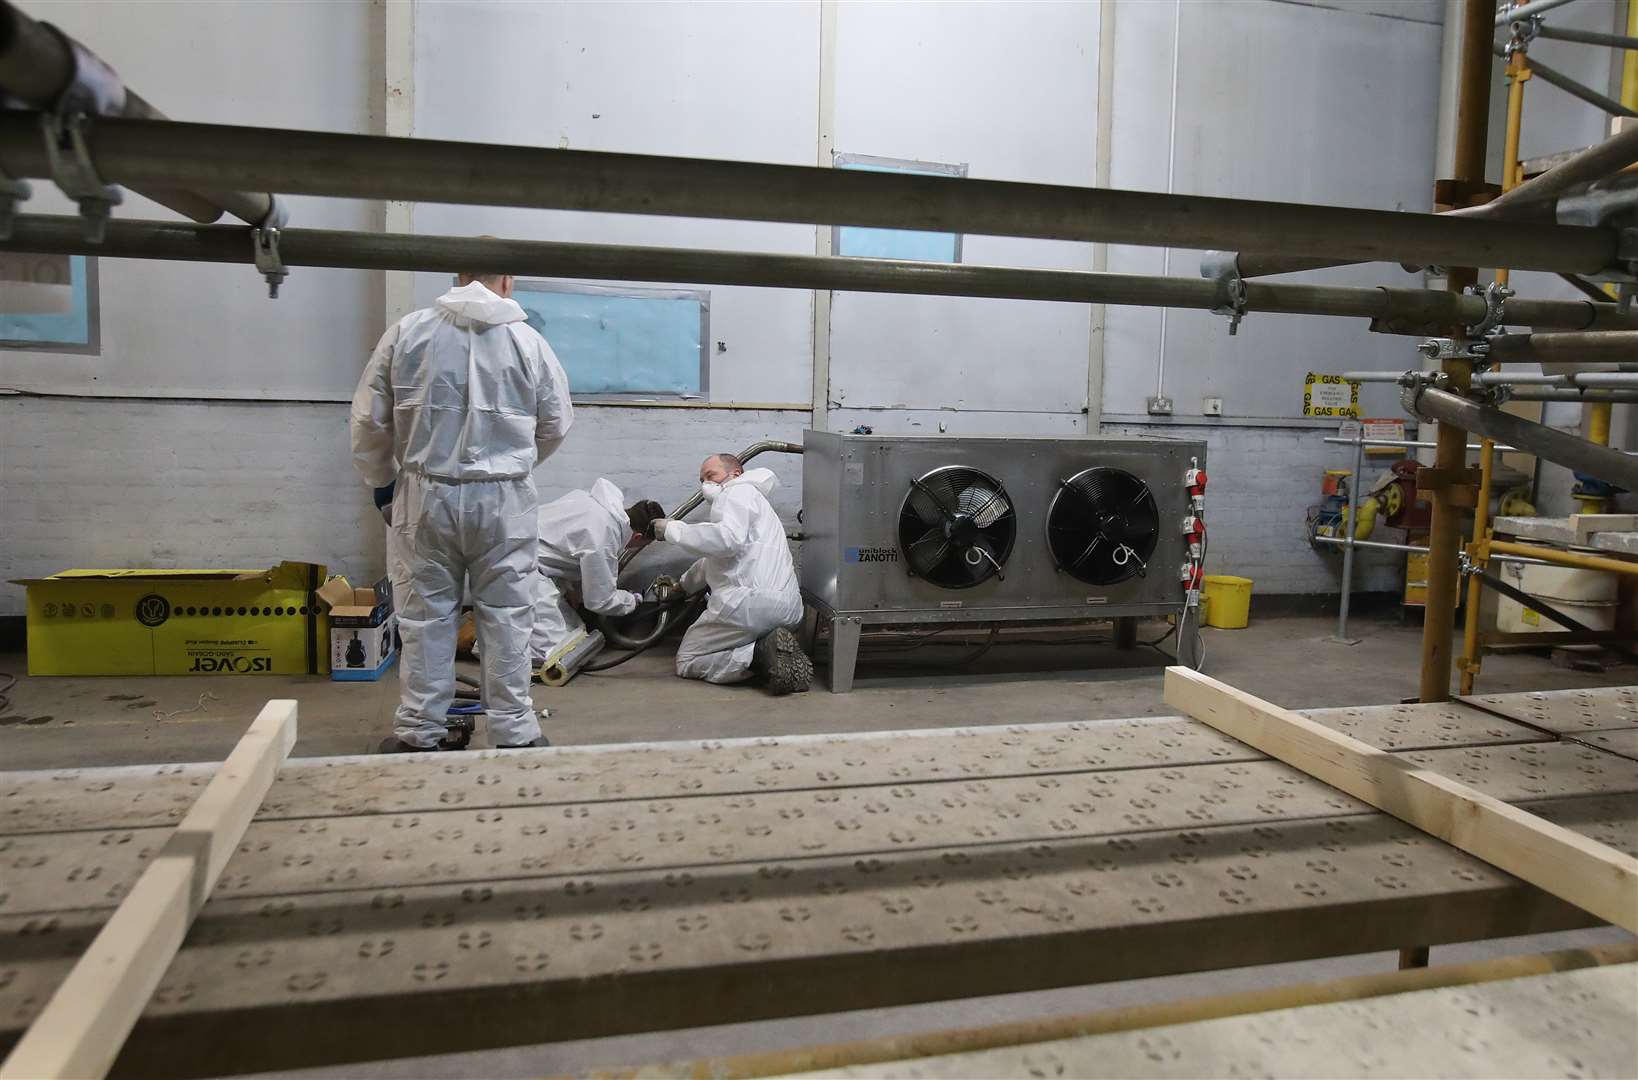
1102	526
956	527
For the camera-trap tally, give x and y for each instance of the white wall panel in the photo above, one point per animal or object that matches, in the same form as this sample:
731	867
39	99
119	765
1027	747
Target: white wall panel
716	80
1010	90
1275	100
194	329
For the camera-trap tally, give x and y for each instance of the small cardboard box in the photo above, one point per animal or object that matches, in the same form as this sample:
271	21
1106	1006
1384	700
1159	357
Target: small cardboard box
179	622
363	630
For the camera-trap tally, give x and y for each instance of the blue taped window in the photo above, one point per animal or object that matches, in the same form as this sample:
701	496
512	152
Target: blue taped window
48	302
867	243
623	341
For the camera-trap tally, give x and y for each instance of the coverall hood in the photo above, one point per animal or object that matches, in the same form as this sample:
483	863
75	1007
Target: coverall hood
762	479
606	495
475	303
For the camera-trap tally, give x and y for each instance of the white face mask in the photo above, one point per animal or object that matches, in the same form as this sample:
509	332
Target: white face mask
710	490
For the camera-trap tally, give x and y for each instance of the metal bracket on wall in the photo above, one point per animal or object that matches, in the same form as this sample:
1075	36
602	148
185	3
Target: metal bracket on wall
1231	292
70	164
265	242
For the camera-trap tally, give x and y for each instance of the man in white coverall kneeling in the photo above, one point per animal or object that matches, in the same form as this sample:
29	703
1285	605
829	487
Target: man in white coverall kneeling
746	563
581	537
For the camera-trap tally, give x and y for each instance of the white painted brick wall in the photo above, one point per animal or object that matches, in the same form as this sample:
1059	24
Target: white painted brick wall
131	483
1262	482
182	484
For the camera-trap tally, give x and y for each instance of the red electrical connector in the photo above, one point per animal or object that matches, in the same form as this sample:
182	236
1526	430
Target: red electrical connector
1192	575
1194	479
1194	534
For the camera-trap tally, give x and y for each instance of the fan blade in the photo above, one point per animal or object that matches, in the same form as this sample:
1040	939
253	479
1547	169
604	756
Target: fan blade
924	564
942	509
1086	552
934	533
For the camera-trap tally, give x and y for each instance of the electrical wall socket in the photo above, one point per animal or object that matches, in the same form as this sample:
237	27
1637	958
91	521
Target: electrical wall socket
1212	406
1160	405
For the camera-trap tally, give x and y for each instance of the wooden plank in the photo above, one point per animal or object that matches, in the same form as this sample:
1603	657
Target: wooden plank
1575	868
81	1029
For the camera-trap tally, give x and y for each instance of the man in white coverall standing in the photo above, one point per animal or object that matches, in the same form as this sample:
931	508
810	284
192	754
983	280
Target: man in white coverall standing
746	563
460	401
581	537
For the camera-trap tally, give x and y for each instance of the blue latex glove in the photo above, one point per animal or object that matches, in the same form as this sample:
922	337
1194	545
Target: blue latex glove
383	500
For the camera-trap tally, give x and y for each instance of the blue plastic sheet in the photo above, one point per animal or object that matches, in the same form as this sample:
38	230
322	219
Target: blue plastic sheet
72	327
621	344
867	243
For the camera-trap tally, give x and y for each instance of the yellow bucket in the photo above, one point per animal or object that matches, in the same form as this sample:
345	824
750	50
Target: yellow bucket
1228	601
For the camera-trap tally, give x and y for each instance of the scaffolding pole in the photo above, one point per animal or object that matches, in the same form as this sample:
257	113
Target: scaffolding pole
1401	311
1530	200
1597	348
1444	536
212	157
1560	447
39	65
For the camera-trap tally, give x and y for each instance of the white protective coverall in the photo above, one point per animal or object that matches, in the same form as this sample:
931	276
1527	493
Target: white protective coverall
460	401
581	537
747	564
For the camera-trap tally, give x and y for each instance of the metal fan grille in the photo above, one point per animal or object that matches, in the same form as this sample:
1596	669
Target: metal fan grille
1103	526
957	527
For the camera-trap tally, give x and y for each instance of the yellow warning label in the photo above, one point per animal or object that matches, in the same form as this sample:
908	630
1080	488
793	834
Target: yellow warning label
1329	395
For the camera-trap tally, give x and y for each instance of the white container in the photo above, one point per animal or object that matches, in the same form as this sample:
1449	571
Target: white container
1587	596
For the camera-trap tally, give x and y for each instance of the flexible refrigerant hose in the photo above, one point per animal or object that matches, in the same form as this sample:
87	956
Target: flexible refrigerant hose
668	617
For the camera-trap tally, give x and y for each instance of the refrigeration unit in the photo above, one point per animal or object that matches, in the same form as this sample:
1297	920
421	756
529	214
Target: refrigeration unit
912	529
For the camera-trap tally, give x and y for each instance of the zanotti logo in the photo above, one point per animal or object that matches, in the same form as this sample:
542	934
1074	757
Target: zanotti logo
872	554
152	610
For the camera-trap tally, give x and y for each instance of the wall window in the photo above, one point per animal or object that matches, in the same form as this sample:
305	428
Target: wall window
623	341
48	302
897	243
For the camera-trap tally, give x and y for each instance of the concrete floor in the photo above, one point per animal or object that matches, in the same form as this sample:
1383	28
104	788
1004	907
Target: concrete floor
64	722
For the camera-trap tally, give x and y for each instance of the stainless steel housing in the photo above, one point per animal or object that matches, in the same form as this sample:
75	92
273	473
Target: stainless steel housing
854	570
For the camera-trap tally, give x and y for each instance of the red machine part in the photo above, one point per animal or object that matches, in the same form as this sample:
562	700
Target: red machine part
1194	534
1194	479
1404	512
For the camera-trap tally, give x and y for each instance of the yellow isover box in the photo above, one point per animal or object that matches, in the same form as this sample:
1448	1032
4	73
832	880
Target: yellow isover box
179	622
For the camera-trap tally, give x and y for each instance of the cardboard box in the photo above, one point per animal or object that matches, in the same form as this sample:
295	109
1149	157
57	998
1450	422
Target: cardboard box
363	630
179	622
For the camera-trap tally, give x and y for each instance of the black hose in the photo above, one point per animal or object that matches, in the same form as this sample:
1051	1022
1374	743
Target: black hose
669	617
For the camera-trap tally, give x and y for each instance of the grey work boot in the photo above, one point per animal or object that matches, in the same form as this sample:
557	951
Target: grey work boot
779	658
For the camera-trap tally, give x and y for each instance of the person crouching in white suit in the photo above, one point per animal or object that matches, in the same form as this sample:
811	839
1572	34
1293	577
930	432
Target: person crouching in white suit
581	537
745	561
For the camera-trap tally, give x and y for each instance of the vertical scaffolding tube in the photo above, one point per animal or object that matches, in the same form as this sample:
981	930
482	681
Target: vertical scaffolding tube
1518	73
1351	526
1472	120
